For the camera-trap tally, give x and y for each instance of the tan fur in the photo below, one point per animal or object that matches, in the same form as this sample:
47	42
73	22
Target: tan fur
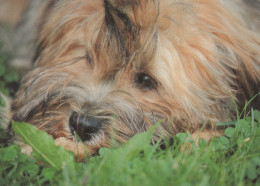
203	56
11	11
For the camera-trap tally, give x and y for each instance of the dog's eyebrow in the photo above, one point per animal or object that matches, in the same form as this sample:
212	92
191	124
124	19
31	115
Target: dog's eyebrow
147	51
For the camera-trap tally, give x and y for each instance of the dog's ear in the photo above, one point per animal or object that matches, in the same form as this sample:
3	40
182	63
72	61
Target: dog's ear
123	24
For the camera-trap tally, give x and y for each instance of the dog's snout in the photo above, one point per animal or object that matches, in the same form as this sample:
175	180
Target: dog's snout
84	126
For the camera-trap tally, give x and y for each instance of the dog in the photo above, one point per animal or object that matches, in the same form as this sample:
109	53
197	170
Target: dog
108	69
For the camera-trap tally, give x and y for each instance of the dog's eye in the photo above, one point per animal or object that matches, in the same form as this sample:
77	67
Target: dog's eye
145	82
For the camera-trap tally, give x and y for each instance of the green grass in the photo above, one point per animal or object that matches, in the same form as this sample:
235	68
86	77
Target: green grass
233	159
8	76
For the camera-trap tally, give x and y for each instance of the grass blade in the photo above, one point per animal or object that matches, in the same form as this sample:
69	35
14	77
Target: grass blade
44	148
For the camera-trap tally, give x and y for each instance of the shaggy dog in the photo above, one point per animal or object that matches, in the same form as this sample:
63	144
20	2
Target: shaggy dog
107	69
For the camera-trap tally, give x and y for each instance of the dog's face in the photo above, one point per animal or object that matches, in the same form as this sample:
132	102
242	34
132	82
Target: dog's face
113	68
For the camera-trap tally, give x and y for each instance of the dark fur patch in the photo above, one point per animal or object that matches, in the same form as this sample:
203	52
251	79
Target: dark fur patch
120	32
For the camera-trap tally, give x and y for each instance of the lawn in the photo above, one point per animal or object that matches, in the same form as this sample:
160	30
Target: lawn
233	159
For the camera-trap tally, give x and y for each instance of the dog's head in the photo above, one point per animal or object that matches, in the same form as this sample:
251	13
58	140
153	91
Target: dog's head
113	68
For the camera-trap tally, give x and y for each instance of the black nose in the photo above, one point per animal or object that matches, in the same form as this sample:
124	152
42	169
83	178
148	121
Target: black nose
84	126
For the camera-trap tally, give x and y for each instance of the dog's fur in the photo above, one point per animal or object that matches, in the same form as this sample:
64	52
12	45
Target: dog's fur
132	63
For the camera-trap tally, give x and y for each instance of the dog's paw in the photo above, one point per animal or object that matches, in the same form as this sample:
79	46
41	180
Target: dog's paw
78	148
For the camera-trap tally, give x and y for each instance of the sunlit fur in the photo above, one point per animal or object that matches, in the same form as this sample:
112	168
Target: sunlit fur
202	54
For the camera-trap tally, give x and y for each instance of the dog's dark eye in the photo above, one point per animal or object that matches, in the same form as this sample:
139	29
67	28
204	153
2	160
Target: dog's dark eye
145	82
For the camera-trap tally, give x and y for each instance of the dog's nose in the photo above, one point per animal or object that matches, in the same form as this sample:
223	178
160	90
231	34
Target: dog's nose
84	126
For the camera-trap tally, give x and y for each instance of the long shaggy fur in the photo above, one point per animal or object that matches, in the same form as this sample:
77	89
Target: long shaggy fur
202	58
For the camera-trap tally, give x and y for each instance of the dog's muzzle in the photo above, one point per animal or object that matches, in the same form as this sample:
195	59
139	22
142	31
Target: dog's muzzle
84	126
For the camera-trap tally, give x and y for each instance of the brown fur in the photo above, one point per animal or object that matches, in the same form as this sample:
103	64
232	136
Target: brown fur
201	57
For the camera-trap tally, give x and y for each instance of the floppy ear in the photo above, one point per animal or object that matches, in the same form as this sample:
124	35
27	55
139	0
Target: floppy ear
124	20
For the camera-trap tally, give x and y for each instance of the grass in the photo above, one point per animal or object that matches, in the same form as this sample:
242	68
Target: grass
233	159
8	76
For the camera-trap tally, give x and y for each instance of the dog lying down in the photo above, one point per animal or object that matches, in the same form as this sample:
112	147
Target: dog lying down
113	68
